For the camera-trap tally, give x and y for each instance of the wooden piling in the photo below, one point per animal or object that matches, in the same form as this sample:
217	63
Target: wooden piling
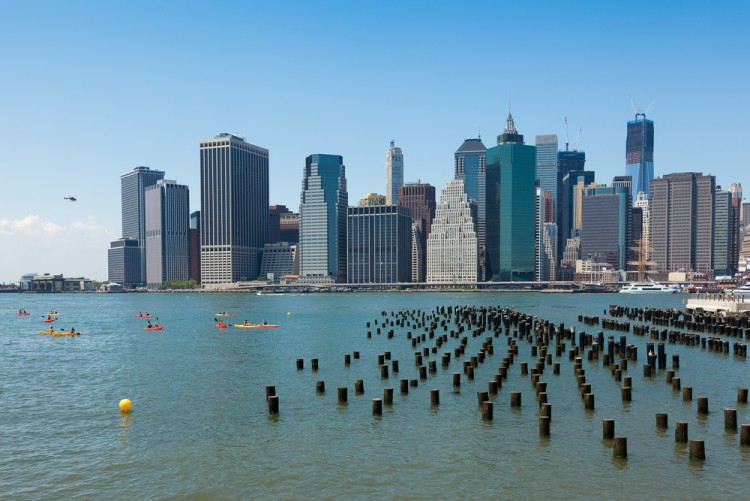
343	394
620	447
687	393
404	386
608	429
388	396
742	395
730	419
359	387
270	391
588	401
435	396
320	387
347	359
384	371
544	425
487	410
314	363
300	364
456	379
626	393
515	399
547	410
377	406
273	404
702	405
697	450
662	420
745	434
681	432
492	387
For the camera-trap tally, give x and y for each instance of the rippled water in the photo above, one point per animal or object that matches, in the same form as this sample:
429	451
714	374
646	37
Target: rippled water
200	426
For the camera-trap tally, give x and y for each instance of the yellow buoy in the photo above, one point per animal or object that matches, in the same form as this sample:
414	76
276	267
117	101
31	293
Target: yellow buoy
288	313
126	405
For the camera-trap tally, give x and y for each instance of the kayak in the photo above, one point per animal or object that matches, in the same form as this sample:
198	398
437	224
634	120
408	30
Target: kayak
221	326
225	314
61	333
142	316
154	328
48	320
53	314
256	326
23	314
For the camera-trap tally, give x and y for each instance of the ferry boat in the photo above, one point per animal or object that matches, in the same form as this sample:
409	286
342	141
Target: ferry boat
649	287
743	290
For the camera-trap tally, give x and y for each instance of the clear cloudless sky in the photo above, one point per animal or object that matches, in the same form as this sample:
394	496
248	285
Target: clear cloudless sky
89	90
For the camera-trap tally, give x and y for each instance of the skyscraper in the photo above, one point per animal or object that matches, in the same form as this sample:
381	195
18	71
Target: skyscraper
167	233
573	181
195	246
394	173
722	232
323	205
470	162
606	225
682	218
234	209
639	154
419	198
644	243
133	186
378	244
452	245
546	172
511	206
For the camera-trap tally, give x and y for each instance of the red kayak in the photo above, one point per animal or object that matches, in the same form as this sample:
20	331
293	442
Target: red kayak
154	328
23	314
142	316
221	326
49	320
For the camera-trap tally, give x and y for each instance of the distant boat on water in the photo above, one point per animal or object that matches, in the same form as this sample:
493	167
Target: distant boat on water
649	287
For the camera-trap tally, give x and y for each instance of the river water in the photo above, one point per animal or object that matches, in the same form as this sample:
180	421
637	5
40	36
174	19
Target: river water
200	427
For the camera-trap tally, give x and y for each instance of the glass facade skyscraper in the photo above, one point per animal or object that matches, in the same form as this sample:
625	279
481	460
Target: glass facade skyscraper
133	186
511	207
471	167
546	170
323	206
234	209
167	233
394	173
639	154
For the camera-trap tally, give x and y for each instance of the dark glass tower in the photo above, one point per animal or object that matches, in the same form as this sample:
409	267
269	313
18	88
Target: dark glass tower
639	154
133	191
322	229
511	207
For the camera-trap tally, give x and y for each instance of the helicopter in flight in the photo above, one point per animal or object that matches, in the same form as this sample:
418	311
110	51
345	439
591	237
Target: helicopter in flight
72	199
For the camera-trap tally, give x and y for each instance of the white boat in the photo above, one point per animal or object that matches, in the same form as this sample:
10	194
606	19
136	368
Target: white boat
743	290
649	287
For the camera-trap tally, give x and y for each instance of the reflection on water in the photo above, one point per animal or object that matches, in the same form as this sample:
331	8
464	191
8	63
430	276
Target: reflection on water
203	428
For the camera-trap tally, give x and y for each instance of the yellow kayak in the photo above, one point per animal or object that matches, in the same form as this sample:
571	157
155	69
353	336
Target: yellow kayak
243	326
61	333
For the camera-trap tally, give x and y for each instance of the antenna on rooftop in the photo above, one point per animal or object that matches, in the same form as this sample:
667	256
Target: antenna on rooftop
566	134
575	148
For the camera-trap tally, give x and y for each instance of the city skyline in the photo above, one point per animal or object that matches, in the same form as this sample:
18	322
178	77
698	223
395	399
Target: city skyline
83	73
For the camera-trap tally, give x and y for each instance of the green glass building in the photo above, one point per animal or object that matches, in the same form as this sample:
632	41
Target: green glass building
511	194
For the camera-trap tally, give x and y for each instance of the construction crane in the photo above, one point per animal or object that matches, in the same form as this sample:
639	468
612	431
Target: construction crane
575	148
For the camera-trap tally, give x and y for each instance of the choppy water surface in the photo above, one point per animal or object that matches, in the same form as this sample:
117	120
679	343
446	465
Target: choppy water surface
200	426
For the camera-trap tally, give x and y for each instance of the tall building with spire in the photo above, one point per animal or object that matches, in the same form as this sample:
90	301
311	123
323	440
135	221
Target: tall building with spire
452	245
639	154
394	173
511	207
470	161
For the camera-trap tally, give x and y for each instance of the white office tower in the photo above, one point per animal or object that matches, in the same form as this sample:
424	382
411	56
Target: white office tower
641	202
452	255
394	174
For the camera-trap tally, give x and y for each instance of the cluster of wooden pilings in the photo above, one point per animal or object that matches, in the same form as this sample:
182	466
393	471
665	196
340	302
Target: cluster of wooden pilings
737	326
445	336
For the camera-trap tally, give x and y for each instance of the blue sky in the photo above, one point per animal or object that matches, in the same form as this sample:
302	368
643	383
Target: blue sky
89	90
